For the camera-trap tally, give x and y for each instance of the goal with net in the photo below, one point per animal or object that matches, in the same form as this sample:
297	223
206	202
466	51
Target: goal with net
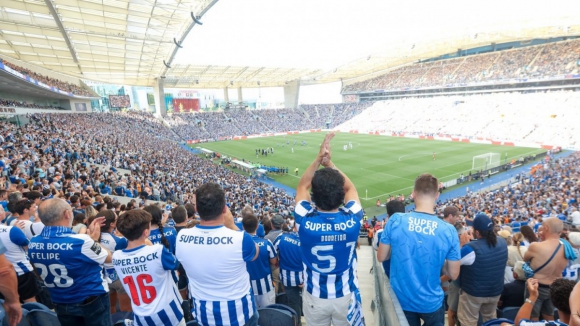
486	161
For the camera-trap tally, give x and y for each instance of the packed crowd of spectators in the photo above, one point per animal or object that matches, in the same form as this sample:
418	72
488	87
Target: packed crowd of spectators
547	60
52	82
241	122
21	104
496	116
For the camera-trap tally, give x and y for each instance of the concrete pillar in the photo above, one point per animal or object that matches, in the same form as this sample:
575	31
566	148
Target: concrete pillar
226	95
240	99
159	98
291	93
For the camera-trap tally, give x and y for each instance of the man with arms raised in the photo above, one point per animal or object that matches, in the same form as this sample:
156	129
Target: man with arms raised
219	283
420	245
328	230
548	260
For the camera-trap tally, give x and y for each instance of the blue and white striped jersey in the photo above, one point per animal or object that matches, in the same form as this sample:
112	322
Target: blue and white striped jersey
70	264
259	269
170	235
219	283
113	243
145	273
290	257
328	243
14	240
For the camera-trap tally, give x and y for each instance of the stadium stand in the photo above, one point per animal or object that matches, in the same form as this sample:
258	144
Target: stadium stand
63	86
241	122
495	116
548	60
21	104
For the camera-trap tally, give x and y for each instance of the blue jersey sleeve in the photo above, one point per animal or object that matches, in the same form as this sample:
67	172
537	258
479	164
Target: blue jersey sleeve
271	250
467	255
302	209
355	208
121	243
248	247
18	237
168	260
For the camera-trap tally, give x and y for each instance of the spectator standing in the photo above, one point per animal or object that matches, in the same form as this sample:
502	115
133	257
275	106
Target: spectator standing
71	266
113	243
160	234
259	269
393	206
547	259
487	255
287	246
154	296
15	243
9	289
328	235
407	240
179	215
220	287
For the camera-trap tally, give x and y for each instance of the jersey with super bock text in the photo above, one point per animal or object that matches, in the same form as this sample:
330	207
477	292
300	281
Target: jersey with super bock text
328	243
113	243
145	273
219	283
259	269
69	264
290	259
14	240
170	235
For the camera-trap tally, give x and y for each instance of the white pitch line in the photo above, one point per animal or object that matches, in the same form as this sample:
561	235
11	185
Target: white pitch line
397	191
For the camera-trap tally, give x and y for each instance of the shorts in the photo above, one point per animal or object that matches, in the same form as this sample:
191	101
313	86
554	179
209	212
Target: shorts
117	287
27	286
323	312
543	304
453	297
182	282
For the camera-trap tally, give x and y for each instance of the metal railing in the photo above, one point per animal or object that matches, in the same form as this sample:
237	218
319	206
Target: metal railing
385	306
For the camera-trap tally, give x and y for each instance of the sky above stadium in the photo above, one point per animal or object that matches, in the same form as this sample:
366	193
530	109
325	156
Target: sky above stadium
329	33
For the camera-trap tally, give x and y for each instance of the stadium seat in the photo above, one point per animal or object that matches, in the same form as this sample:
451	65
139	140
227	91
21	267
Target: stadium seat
2	311
284	307
121	316
275	317
510	312
497	321
42	318
23	322
30	306
516	227
192	323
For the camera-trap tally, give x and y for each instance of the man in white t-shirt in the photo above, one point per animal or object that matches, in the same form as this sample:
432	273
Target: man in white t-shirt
26	210
219	283
575	217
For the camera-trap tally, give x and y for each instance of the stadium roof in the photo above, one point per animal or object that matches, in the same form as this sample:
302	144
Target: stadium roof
132	42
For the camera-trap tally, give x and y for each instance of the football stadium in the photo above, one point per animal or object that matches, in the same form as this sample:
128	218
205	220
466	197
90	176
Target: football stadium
286	163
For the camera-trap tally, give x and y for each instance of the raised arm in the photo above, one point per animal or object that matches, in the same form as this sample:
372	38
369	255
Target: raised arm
302	190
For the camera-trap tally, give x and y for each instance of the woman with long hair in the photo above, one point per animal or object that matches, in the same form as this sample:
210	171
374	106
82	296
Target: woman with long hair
79	225
112	242
529	235
160	233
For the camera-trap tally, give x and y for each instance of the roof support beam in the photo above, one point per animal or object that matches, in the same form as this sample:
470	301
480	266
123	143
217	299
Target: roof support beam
63	32
182	38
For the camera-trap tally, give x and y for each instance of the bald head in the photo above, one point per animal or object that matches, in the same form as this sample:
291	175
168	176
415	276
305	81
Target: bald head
52	211
553	226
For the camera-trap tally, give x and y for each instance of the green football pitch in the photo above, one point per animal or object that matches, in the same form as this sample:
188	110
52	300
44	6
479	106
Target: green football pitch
377	165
